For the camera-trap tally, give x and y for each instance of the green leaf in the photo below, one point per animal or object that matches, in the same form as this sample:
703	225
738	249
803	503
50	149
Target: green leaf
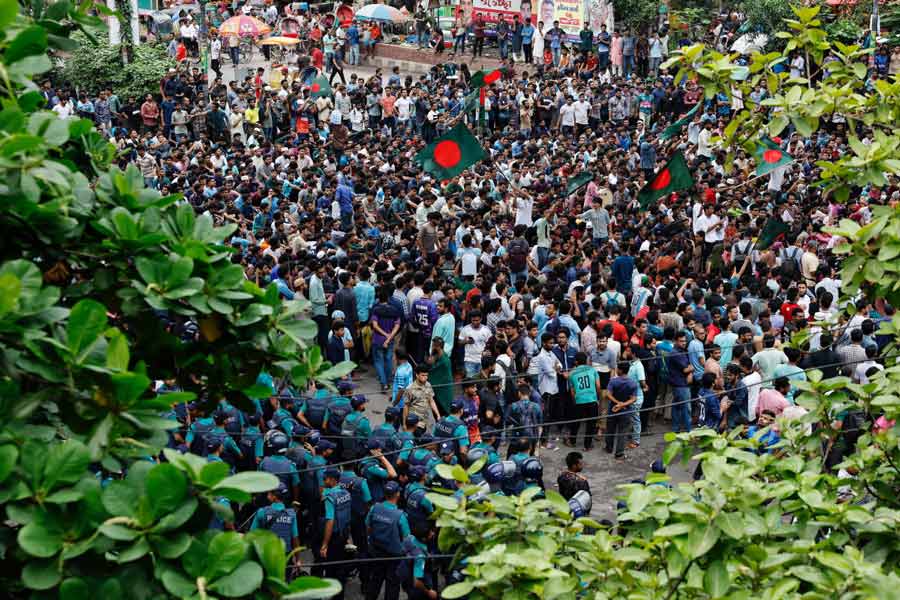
41	575
30	41
716	581
87	321
732	524
8	12
458	590
179	516
672	450
38	540
214	472
117	531
176	583
638	498
64	496
74	588
139	549
120	499
270	550
117	354
166	488
241	582
250	482
701	539
67	462
229	549
314	588
10	290
172	546
338	371
8	456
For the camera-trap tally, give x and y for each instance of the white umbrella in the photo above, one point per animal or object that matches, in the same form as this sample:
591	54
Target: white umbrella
750	43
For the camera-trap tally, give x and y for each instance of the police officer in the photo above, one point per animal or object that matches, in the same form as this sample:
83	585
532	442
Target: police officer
279	519
487	445
251	445
408	437
533	473
313	410
196	434
418	507
388	527
425	455
312	480
514	483
355	430
448	457
338	409
275	462
361	501
452	429
415	573
387	435
336	516
377	470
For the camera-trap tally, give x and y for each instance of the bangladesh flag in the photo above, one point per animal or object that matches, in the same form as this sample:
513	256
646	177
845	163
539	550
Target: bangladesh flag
483	78
578	181
769	156
673	177
320	87
771	231
673	129
452	154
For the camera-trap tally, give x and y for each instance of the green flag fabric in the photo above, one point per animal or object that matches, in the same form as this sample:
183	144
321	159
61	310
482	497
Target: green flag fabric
471	101
769	156
674	176
578	181
483	78
320	87
771	231
673	129
452	154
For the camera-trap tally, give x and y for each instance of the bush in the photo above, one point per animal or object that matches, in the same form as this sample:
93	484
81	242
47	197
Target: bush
99	66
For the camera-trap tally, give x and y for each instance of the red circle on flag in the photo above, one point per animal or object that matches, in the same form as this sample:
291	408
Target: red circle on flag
315	87
493	76
447	154
771	156
662	180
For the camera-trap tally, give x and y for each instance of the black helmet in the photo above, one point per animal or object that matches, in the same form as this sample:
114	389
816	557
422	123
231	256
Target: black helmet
532	469
276	442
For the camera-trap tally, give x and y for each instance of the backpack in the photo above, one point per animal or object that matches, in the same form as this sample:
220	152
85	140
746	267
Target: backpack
201	431
740	254
518	255
510	394
790	263
522	419
350	443
611	300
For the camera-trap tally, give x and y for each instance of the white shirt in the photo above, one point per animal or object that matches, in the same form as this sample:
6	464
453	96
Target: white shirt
403	105
753	381
703	146
523	211
567	115
472	352
582	108
706	224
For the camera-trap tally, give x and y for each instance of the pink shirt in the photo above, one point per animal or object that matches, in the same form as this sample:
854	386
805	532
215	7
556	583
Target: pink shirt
772	400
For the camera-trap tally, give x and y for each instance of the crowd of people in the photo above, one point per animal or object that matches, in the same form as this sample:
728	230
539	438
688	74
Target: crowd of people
498	309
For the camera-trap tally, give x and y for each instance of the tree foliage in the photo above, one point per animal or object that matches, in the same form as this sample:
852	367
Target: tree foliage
95	66
105	286
635	13
761	525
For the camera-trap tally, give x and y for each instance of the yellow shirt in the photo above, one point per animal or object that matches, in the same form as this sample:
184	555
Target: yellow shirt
251	115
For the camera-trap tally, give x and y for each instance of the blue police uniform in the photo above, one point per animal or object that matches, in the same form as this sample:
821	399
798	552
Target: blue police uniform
415	567
282	468
388	527
375	475
336	507
418	507
451	429
280	520
314	409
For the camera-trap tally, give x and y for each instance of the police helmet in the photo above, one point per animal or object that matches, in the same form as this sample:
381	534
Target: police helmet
233	426
494	473
276	442
314	437
580	504
532	469
476	453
